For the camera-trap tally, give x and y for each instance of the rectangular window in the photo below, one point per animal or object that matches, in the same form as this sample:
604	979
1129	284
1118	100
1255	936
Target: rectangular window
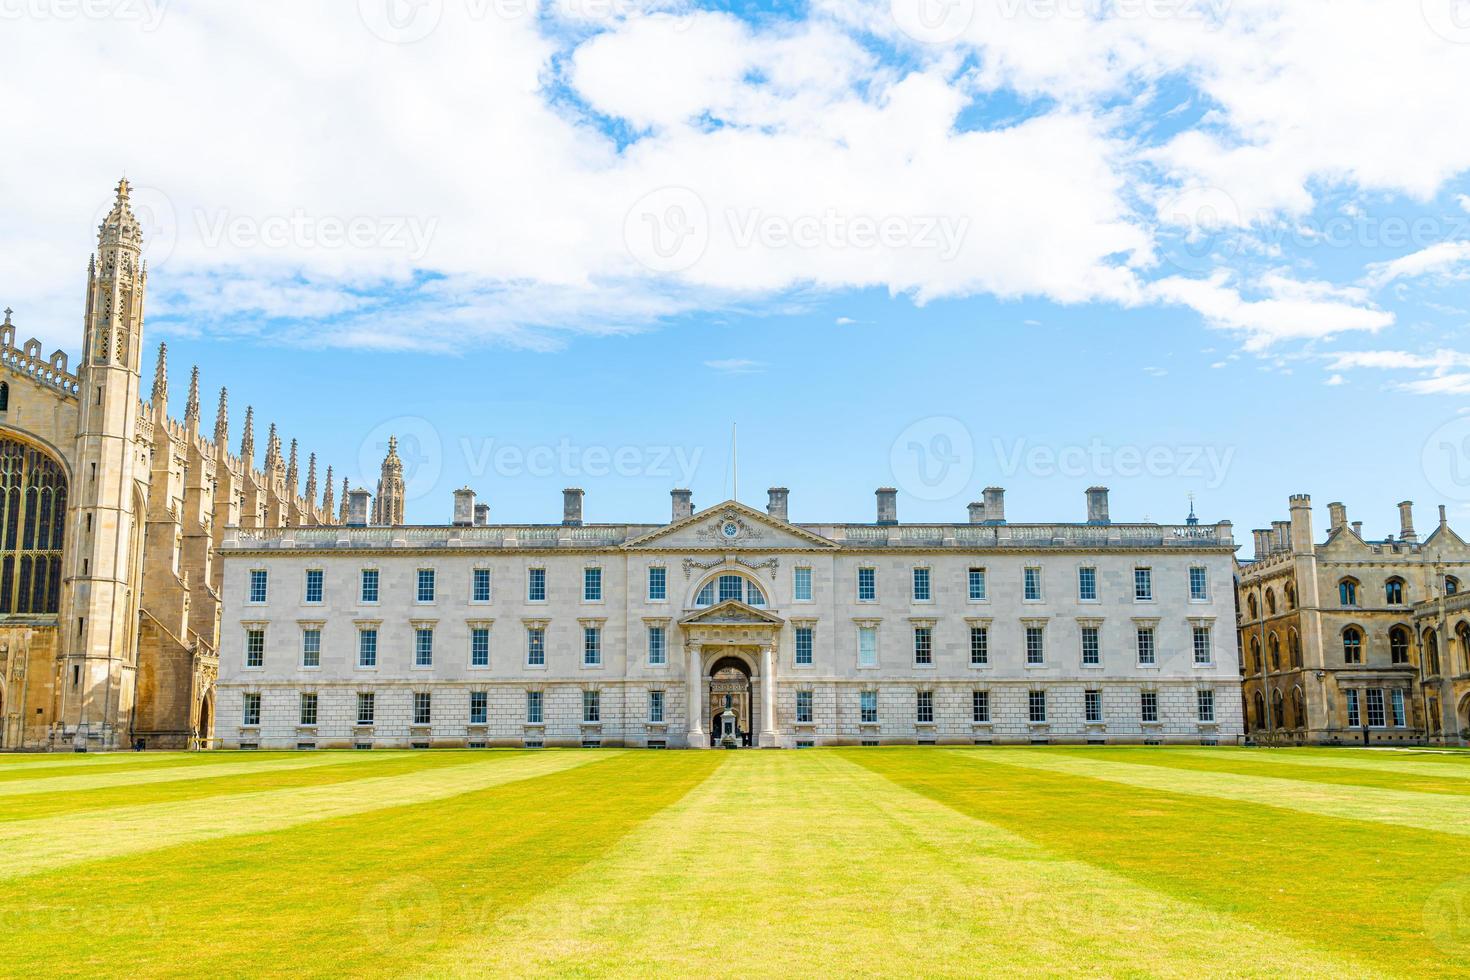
533	707
1036	706
479	707
1354	717
1146	645
1202	647
923	646
367	648
1035	645
591	646
867	589
868	704
480	585
1143	584
480	647
1148	705
311	648
977	584
308	709
658	653
656	707
369	589
535	585
592	706
980	707
366	705
592	585
804	646
1375	708
536	647
731	587
1087	584
1031	580
251	715
423	707
921	585
924	707
423	647
1092	703
867	646
1400	719
979	646
658	584
803	707
802	585
425	585
1206	702
257	585
255	648
314	585
1199	583
1091	647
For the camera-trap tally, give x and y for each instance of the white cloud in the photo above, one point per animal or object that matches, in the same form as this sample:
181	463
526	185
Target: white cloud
1448	259
1443	372
736	365
1335	380
1290	310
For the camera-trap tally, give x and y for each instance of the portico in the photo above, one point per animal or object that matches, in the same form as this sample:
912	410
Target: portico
734	635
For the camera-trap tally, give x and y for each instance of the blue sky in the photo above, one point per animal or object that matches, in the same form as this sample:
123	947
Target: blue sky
1219	248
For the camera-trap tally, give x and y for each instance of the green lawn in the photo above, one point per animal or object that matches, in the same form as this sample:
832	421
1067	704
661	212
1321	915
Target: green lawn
854	861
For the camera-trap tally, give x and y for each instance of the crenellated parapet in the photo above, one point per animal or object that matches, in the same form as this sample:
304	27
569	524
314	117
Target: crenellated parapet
26	359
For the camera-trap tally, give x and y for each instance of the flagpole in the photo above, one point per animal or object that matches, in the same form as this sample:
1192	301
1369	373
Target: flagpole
735	450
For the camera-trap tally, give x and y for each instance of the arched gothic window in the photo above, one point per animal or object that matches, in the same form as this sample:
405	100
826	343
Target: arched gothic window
1347	592
1270	602
1431	653
32	518
1251	602
1255	655
1352	645
1274	643
1393	591
1451	585
730	586
1294	647
4	396
1398	645
1290	591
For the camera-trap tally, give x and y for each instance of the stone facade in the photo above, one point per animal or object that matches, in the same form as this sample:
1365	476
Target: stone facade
110	592
615	634
1353	640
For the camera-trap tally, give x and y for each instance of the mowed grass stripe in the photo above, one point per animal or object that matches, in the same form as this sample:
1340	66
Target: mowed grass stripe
1424	811
1250	762
370	766
170	774
56	766
31	846
1391	761
801	864
370	894
1334	883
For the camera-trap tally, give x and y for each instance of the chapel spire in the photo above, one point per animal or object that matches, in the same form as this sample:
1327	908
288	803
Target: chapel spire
388	507
309	494
191	407
293	472
222	418
247	440
327	501
160	381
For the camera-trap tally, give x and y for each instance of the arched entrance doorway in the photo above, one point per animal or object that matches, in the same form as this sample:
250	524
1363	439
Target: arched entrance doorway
205	738
731	703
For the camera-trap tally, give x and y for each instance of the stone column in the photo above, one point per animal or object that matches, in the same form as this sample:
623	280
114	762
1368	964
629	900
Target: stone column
770	738
693	679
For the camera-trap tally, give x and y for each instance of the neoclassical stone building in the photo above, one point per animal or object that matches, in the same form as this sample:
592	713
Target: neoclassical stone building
1355	640
112	513
726	626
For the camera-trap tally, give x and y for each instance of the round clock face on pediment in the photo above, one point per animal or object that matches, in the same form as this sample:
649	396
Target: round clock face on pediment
730	529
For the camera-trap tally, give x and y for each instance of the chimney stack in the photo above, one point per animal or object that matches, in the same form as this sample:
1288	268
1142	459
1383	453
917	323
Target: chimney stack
995	505
359	505
887	505
571	507
1444	521
1336	516
482	515
683	503
1262	539
464	507
1406	522
1280	536
778	499
977	513
1358	528
1097	505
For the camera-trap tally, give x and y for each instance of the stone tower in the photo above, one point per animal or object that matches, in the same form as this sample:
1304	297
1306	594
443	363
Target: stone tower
99	658
388	509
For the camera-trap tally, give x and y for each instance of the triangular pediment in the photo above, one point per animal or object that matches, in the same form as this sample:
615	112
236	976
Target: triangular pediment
1446	542
731	612
731	526
1344	541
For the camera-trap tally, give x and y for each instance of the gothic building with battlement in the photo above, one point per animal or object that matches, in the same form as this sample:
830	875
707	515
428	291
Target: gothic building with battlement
111	515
